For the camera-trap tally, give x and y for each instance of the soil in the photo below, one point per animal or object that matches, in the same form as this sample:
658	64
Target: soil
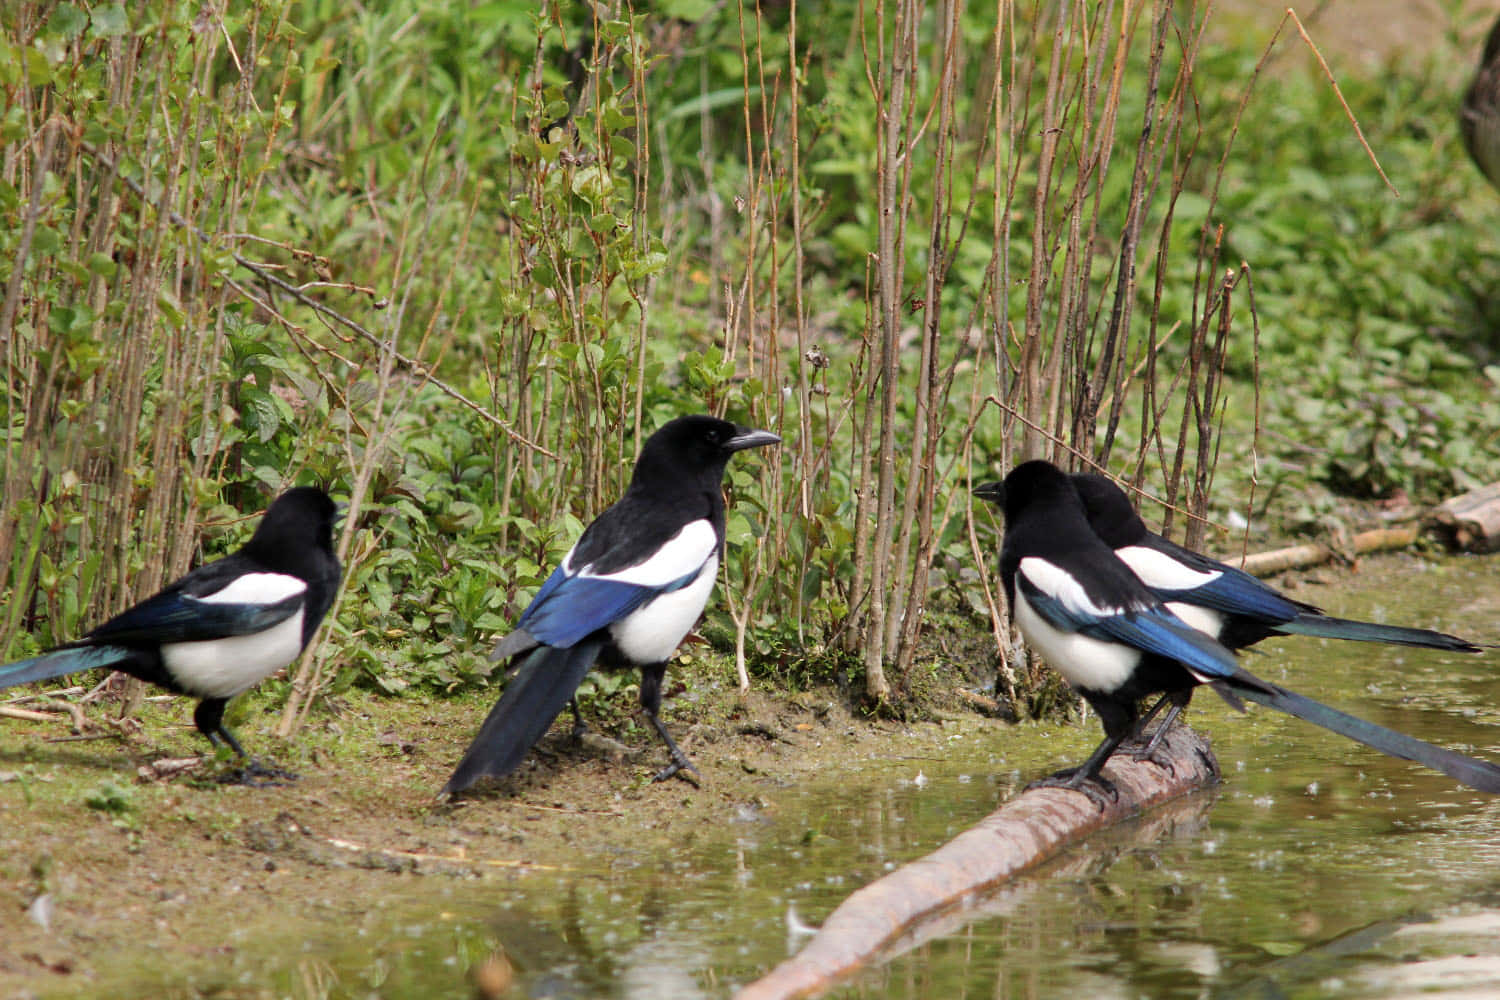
109	844
103	846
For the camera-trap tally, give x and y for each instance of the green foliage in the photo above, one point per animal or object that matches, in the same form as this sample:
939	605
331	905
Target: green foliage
110	798
1370	304
579	221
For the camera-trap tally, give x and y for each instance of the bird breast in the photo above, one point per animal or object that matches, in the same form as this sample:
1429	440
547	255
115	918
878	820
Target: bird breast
652	632
1085	662
223	668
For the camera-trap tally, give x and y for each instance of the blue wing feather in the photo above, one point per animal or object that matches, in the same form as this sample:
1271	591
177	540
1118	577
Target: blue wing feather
568	608
1152	630
1233	592
60	662
1236	593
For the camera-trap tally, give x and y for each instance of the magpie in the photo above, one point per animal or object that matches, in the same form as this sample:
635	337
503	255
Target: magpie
225	626
627	592
1090	617
1229	604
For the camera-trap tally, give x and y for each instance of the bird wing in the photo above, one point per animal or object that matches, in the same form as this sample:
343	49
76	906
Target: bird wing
580	597
1177	574
215	601
1140	623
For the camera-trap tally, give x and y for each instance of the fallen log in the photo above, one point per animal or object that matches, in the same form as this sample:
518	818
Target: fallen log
890	912
1471	521
1316	553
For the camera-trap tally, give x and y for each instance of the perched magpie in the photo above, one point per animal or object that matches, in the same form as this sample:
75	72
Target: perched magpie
1229	604
1115	641
629	591
225	626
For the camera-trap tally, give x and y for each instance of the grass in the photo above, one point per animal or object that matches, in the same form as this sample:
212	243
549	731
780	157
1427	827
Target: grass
453	263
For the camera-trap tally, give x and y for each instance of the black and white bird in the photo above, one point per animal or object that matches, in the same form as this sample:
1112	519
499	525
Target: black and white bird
225	626
1116	642
1229	604
627	592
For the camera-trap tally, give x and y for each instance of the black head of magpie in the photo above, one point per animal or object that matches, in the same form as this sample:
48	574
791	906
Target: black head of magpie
225	626
630	589
1090	617
1230	604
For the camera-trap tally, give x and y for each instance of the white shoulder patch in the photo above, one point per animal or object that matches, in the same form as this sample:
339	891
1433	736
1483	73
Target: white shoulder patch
1159	570
1057	583
255	588
683	555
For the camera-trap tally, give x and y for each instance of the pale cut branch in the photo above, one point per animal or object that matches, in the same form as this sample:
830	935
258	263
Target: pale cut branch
1316	553
887	914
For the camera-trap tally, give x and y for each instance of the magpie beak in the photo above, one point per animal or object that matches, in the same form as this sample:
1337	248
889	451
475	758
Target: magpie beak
750	438
993	492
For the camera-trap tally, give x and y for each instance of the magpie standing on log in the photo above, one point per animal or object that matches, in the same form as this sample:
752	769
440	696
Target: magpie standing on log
628	591
1229	604
225	626
1116	642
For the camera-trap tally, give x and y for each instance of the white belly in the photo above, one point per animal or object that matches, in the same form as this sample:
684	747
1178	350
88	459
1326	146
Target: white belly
1086	663
1205	620
652	632
223	668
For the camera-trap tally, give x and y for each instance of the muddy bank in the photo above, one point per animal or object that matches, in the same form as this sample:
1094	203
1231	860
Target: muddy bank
102	869
100	857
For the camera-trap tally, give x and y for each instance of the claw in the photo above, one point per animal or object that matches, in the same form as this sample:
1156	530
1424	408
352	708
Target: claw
680	767
254	774
1096	788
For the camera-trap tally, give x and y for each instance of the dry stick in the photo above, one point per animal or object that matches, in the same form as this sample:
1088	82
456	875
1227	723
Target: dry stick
1358	132
26	714
1316	553
1015	838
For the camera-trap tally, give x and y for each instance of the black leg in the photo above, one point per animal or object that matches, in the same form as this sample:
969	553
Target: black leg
209	718
1145	720
1086	777
580	730
1119	721
1178	700
680	767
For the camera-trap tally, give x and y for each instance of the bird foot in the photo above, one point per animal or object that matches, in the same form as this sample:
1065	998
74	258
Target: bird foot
254	774
1210	762
1156	751
680	767
1096	788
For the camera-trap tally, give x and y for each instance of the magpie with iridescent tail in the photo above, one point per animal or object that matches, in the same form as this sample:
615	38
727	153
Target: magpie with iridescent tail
626	593
1116	642
224	627
1229	604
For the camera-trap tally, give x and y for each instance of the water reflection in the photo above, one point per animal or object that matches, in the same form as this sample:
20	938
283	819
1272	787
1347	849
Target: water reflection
1318	869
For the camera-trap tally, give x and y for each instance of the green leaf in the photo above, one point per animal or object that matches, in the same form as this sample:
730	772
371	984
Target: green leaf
109	21
68	21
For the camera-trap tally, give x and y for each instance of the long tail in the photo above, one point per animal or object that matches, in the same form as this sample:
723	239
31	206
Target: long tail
1343	628
1475	773
543	684
60	662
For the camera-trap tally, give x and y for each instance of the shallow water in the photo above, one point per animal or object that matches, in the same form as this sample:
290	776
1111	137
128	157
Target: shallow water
1317	869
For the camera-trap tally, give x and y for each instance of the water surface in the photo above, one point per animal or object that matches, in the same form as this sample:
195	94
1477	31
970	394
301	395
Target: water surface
1317	869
